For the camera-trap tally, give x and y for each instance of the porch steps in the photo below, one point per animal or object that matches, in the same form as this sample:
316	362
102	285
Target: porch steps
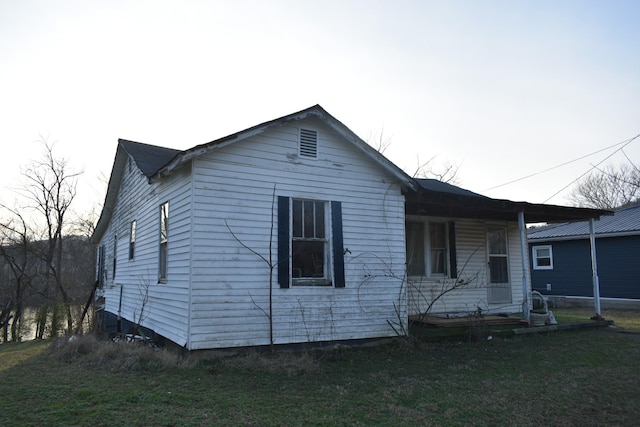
465	321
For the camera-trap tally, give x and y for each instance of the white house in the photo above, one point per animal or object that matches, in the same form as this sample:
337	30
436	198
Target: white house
294	231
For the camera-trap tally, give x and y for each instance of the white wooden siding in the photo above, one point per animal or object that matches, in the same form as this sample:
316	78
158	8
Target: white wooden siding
471	249
166	311
230	285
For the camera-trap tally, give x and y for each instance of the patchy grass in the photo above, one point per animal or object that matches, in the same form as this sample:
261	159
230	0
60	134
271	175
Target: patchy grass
13	354
628	320
585	378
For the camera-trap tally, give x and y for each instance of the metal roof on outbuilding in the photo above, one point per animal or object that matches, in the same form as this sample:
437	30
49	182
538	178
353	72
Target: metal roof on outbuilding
624	221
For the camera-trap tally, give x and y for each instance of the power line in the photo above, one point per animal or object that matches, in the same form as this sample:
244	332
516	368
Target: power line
625	142
629	141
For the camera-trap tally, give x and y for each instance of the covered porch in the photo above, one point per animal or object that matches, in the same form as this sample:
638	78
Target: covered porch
459	208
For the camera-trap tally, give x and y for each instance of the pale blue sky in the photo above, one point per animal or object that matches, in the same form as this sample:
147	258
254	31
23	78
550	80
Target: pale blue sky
502	88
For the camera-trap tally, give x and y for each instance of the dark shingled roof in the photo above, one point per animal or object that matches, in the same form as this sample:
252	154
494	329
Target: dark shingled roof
436	198
149	158
444	187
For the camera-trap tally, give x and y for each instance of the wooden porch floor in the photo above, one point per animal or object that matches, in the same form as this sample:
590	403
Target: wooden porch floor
458	322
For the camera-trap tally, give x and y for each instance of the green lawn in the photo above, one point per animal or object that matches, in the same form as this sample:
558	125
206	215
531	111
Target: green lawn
571	378
628	320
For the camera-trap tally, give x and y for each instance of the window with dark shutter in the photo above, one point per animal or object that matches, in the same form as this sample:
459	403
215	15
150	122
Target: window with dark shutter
306	256
431	249
338	245
453	258
283	242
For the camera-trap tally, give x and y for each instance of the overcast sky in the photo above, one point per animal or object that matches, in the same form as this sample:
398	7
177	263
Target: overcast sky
504	89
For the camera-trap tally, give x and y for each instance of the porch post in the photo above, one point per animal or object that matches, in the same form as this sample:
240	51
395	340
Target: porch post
594	269
523	251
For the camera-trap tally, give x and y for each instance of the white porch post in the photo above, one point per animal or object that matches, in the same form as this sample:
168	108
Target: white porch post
594	269
523	250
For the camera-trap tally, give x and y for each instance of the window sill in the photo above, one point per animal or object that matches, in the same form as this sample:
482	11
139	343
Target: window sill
311	283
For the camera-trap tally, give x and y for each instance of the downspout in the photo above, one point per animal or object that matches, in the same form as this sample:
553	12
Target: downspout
594	270
523	255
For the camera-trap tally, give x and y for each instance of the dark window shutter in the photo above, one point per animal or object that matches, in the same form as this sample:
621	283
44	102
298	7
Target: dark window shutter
338	249
283	241
453	262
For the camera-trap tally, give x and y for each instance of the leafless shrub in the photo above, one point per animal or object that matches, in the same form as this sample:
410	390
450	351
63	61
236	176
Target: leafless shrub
89	351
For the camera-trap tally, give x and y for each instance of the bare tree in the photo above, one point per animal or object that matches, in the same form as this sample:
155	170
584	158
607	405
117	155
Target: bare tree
50	190
379	141
15	245
608	188
446	172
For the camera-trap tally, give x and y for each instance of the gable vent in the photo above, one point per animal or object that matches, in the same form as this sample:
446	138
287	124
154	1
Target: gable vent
308	143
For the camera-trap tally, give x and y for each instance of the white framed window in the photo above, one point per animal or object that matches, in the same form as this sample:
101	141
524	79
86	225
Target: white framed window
309	243
164	243
132	239
542	257
428	248
437	248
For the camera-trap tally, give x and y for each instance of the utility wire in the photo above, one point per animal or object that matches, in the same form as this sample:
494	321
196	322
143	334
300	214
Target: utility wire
592	167
566	163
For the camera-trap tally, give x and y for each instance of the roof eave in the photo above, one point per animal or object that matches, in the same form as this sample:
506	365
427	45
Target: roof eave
115	180
426	202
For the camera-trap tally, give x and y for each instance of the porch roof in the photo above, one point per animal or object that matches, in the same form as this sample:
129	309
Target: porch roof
436	198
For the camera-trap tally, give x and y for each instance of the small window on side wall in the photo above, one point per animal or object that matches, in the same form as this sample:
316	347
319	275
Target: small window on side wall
132	239
542	257
163	260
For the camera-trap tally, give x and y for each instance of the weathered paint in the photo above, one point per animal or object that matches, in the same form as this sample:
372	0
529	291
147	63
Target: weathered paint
234	207
166	308
222	214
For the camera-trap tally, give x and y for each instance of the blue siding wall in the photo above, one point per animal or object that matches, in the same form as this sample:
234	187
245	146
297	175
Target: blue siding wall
618	268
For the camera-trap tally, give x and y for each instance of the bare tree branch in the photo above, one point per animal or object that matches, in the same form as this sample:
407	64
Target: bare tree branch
608	188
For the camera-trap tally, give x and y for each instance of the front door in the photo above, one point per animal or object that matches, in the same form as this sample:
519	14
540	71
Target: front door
498	264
